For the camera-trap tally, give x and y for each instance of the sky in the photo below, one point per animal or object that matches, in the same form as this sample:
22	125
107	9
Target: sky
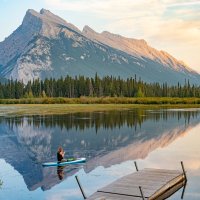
169	25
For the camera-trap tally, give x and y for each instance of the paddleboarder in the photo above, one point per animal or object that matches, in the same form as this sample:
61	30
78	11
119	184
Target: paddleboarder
60	155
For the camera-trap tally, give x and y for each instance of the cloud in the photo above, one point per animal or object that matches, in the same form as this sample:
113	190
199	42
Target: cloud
108	8
188	3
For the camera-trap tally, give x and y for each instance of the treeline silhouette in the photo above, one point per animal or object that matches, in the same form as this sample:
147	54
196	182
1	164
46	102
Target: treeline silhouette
75	87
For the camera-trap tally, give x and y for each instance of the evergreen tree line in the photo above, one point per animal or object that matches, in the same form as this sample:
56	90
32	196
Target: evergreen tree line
95	87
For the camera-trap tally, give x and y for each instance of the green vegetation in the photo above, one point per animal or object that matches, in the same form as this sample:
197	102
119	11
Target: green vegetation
104	100
50	109
77	87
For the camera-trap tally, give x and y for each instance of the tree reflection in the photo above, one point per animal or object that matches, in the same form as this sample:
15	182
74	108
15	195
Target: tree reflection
108	120
1	183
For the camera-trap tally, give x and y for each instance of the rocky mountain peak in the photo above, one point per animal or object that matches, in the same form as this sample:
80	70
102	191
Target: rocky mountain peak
44	16
50	23
44	11
31	12
32	19
87	29
142	41
108	34
48	16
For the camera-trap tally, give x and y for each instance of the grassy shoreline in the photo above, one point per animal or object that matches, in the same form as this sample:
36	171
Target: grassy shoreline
104	100
48	106
50	109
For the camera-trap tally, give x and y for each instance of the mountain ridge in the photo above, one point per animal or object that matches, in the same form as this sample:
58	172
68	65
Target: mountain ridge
135	49
45	45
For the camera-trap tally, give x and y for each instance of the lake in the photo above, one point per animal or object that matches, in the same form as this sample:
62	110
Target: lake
111	141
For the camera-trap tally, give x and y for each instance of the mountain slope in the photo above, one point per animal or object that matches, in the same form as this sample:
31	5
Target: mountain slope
138	48
45	45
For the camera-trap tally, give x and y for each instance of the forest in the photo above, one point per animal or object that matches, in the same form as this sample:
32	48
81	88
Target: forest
80	86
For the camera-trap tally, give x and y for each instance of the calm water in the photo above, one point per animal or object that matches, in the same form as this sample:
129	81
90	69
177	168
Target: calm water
111	142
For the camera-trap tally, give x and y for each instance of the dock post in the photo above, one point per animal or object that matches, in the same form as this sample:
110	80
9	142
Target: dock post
183	191
136	167
142	195
79	184
183	170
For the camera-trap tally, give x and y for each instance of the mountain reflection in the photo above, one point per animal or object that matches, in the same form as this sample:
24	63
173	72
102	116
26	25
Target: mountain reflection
104	138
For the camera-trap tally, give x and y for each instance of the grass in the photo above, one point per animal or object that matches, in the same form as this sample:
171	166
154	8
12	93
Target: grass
45	106
48	109
103	100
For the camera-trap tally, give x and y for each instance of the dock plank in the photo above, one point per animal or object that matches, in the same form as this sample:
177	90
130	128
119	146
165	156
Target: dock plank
104	196
154	183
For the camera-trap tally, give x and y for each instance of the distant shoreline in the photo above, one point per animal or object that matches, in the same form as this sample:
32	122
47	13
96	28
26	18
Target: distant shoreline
106	100
50	106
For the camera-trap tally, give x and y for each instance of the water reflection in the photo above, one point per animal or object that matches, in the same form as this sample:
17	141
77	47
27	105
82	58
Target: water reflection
104	138
60	172
97	120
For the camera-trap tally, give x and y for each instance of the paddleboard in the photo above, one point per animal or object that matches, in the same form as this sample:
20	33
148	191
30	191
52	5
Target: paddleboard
51	164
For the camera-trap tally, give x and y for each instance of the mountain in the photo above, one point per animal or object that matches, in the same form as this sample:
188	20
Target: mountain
45	45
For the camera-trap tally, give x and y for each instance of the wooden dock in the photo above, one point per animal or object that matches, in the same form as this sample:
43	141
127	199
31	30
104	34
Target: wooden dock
143	184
